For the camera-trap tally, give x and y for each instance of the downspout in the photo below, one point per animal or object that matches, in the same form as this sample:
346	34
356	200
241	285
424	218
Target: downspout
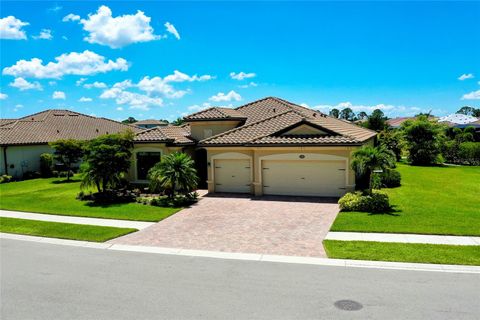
5	159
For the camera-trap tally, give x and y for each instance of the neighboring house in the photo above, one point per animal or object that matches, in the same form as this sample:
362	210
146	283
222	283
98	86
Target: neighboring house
396	123
150	123
23	140
457	118
270	146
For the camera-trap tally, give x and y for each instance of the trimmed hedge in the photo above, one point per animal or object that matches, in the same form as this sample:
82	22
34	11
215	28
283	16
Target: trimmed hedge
376	202
391	179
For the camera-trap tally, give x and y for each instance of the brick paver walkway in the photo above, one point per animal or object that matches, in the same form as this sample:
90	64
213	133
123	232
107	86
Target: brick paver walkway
270	225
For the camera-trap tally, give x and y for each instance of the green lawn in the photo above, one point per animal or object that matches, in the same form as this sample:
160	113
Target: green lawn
55	197
61	230
403	252
431	200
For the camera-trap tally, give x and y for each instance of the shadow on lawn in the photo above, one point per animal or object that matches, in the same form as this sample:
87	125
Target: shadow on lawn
65	181
394	212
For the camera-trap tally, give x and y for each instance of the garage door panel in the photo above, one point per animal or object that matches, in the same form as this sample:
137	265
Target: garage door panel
233	175
304	178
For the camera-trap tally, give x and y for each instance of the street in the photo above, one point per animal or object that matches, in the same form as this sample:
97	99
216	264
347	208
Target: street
45	281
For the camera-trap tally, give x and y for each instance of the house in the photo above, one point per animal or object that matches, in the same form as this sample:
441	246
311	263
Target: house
270	146
23	140
150	123
266	147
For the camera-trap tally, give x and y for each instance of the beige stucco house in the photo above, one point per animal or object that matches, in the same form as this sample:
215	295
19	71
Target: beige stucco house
267	147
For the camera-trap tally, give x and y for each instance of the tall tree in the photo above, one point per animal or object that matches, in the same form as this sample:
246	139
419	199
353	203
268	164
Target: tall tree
377	120
362	115
334	113
129	120
107	159
424	139
67	152
347	114
368	159
178	122
469	111
176	172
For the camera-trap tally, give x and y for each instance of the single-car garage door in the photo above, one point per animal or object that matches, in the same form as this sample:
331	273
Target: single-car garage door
232	175
304	178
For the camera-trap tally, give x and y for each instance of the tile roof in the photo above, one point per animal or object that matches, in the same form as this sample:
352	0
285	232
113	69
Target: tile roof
170	134
51	125
150	121
216	113
266	118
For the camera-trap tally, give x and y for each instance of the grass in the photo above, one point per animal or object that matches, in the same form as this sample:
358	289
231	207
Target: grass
403	252
61	230
431	200
53	196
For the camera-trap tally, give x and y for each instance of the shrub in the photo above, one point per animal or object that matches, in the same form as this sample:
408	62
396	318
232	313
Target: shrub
469	152
46	164
177	201
5	178
390	178
374	202
424	139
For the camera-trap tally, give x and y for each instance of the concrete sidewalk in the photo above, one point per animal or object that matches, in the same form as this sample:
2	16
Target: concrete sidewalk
76	220
403	238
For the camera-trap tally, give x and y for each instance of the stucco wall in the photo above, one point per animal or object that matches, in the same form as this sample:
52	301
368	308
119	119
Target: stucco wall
197	128
147	147
22	159
257	154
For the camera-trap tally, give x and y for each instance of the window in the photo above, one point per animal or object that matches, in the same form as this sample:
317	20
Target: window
207	133
145	161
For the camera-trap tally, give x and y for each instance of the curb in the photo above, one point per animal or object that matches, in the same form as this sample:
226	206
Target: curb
252	256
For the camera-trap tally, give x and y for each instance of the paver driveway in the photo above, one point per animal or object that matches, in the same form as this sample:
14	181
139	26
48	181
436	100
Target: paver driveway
269	225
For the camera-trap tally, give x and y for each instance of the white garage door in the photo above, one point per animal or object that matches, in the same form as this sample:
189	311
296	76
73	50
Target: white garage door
232	176
304	178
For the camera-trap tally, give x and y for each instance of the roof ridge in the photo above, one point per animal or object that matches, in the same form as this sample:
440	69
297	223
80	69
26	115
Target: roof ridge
245	126
199	112
256	101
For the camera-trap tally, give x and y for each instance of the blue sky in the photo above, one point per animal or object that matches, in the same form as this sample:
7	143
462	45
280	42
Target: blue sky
108	59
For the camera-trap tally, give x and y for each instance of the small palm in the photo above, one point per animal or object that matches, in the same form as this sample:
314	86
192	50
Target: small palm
176	172
367	159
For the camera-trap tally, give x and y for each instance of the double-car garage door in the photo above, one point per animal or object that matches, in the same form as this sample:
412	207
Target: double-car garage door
283	177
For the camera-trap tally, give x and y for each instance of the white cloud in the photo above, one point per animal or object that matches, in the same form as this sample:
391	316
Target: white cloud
466	76
3	96
11	28
251	84
73	63
116	32
71	17
232	95
119	109
64	37
124	84
171	28
134	100
55	8
163	86
96	84
474	95
59	95
45	34
80	81
199	107
52	83
17	107
22	84
85	99
242	75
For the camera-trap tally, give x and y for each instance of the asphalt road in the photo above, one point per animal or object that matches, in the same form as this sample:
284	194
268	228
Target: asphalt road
45	281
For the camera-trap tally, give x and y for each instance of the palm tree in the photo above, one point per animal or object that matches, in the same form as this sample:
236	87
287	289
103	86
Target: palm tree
175	172
367	159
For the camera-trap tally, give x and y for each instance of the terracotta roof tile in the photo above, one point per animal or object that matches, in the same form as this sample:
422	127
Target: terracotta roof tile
170	134
269	116
51	125
216	113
